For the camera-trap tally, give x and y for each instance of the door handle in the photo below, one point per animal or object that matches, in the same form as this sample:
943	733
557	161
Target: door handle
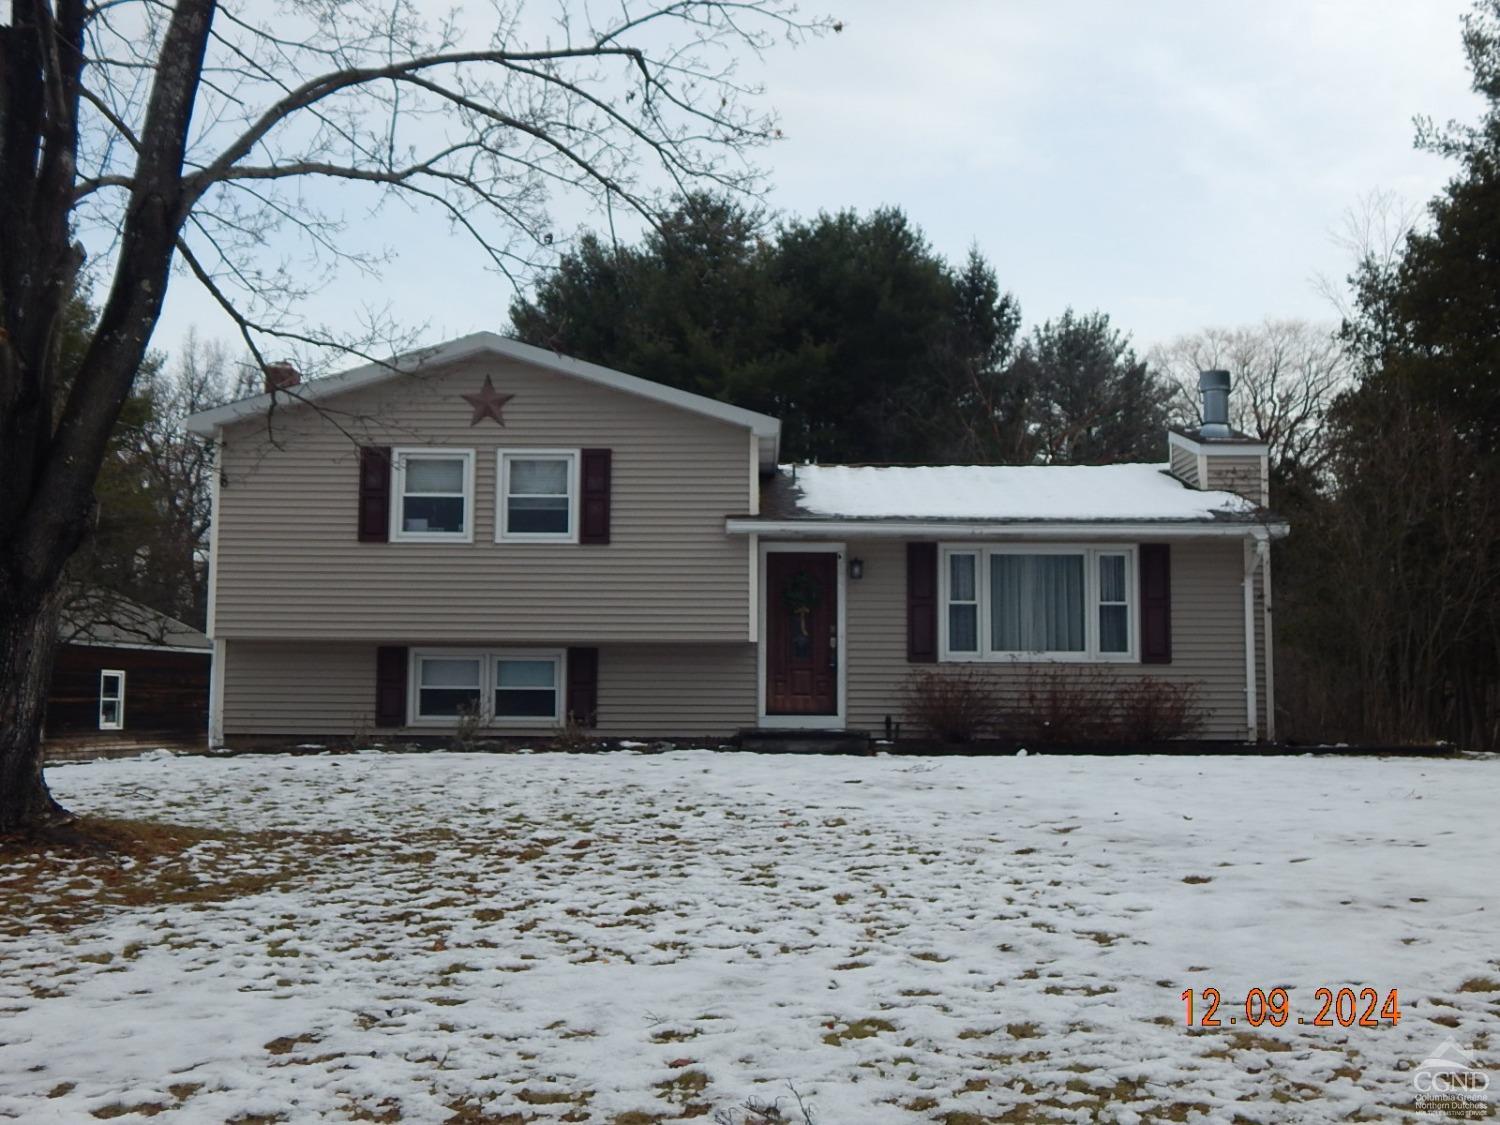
833	646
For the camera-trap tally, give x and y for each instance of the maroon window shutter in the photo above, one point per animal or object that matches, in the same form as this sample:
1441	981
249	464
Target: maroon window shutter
1156	603
390	686
595	496
374	494
583	686
921	603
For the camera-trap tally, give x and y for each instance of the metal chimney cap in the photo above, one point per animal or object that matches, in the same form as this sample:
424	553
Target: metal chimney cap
1215	380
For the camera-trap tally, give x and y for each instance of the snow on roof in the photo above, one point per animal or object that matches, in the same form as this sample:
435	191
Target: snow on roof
1007	492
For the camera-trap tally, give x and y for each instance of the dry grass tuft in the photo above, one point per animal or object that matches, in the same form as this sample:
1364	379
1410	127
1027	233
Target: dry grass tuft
1480	984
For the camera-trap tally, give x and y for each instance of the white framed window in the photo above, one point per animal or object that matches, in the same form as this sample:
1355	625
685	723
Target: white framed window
527	687
963	602
1057	602
433	496
1114	587
511	687
447	685
111	699
536	500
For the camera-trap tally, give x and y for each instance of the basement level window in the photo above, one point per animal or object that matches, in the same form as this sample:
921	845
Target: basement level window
526	686
510	687
448	686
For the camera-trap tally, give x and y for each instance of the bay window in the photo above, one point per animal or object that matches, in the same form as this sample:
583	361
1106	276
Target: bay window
1037	603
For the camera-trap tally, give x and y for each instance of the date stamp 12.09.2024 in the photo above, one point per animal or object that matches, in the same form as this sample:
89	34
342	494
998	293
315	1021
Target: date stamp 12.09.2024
1343	1007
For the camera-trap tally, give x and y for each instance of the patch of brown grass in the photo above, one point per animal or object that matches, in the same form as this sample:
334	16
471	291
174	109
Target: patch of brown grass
119	1109
467	1111
857	1029
1480	984
65	879
286	1044
553	1097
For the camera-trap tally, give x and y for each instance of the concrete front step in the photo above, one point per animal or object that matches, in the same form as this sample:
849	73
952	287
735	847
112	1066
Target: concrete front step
766	741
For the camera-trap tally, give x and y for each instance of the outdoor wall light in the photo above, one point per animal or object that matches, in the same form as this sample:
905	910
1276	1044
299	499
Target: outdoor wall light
856	568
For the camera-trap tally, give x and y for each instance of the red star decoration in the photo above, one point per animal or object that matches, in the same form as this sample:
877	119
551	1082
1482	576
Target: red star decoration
487	403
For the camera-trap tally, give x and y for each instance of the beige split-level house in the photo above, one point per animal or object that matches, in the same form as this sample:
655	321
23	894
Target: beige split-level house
487	526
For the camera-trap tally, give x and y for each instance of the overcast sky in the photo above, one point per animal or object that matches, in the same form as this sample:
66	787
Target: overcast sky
1174	163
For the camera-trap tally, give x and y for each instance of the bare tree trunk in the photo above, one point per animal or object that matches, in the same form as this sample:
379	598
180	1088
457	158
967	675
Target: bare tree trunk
28	634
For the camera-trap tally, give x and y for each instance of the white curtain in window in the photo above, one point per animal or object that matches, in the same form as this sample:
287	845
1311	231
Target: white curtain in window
450	673
525	674
431	475
1036	603
538	478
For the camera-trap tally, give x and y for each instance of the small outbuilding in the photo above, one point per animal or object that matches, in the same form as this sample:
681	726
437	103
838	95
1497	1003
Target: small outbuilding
125	676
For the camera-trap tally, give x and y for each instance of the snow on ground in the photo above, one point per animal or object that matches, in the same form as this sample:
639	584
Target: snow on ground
628	938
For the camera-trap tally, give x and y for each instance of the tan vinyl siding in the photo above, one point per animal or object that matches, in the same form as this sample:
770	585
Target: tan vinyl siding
279	689
273	688
676	691
290	565
1185	465
1241	474
1208	648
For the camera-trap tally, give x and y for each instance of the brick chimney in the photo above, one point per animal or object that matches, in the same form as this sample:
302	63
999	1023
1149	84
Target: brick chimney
280	376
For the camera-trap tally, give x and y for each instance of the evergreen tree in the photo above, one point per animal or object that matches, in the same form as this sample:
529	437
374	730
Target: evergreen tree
1089	399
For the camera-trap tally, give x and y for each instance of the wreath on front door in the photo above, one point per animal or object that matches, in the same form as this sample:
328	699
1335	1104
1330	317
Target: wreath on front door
801	595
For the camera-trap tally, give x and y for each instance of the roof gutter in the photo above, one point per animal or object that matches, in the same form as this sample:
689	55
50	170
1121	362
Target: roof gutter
1016	529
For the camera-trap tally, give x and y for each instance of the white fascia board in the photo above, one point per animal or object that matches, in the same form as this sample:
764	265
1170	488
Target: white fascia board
766	428
928	529
1227	448
143	646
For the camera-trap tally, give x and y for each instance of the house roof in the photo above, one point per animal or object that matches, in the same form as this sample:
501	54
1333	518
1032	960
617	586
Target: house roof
975	496
479	344
1233	440
112	621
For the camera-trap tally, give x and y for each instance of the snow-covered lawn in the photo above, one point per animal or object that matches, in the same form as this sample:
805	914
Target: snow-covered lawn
628	938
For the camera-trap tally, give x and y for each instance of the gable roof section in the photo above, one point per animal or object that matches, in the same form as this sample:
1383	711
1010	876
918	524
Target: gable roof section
976	498
109	620
766	429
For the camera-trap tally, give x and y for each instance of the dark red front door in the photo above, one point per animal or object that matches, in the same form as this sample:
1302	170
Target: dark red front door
802	643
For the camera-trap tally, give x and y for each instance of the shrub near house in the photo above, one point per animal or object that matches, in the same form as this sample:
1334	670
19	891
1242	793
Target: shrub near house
1055	706
528	537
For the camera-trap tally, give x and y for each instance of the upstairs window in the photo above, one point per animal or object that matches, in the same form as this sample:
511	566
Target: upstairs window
434	495
538	496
